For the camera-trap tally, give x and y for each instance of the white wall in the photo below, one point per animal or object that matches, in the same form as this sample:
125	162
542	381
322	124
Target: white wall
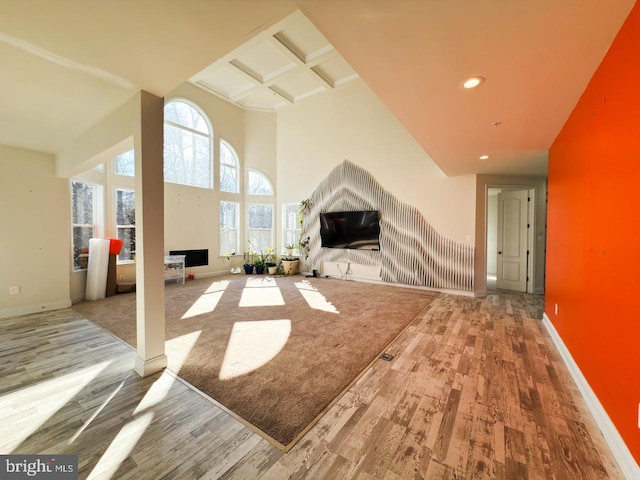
260	150
35	238
351	123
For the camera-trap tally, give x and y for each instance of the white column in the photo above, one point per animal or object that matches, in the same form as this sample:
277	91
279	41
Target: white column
150	237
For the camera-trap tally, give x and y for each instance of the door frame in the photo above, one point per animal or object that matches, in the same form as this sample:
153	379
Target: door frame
529	237
537	234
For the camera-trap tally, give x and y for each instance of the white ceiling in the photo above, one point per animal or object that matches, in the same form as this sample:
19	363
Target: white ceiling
60	57
537	57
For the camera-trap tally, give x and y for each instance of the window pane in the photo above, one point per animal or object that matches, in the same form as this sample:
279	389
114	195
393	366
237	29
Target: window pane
86	207
258	184
187	157
291	223
227	154
125	164
260	216
260	227
82	202
228	179
81	236
184	114
128	236
229	223
228	168
260	239
125	207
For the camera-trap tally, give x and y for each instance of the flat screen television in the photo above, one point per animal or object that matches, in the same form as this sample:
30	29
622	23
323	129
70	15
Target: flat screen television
357	230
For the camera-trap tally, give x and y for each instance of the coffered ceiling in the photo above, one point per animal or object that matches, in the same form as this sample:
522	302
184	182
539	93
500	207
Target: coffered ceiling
282	65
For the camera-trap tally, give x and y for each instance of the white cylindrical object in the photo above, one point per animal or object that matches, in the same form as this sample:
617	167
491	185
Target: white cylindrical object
96	287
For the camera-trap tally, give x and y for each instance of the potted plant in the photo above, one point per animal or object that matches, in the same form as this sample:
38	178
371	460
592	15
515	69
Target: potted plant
270	264
248	261
290	248
290	265
261	260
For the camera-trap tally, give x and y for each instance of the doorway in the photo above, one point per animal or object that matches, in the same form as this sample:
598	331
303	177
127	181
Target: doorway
510	240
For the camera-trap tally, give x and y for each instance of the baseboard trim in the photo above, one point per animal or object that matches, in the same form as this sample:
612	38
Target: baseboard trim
390	284
627	463
152	365
28	309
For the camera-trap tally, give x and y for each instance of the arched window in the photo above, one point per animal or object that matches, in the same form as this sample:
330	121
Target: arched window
258	184
228	168
187	145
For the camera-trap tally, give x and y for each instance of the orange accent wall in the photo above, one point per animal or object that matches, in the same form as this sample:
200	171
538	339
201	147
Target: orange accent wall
593	237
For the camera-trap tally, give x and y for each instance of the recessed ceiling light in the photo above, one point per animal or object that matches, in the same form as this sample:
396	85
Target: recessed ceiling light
484	157
472	82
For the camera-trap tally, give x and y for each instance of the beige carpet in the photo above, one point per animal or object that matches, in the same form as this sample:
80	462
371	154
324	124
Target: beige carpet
275	351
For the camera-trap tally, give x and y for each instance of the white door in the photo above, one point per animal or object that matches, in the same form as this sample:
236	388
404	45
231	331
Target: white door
512	240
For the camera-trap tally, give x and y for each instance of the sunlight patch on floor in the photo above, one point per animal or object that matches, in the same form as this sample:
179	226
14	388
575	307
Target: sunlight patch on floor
178	350
261	292
314	298
252	345
208	301
97	411
121	447
17	418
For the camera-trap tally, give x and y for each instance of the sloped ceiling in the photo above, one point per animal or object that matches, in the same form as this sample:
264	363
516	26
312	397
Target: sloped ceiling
68	63
537	58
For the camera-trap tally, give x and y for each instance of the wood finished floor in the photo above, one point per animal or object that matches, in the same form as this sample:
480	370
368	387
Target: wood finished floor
476	390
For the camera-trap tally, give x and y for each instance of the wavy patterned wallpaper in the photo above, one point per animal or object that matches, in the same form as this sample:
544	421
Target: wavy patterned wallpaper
411	251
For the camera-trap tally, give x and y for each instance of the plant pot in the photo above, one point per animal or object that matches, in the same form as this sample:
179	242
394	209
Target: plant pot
290	267
273	270
248	268
259	269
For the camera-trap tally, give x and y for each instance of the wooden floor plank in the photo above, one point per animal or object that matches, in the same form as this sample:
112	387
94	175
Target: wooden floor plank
477	390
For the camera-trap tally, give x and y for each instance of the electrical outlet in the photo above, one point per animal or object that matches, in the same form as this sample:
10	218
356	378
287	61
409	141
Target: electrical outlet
14	290
556	310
